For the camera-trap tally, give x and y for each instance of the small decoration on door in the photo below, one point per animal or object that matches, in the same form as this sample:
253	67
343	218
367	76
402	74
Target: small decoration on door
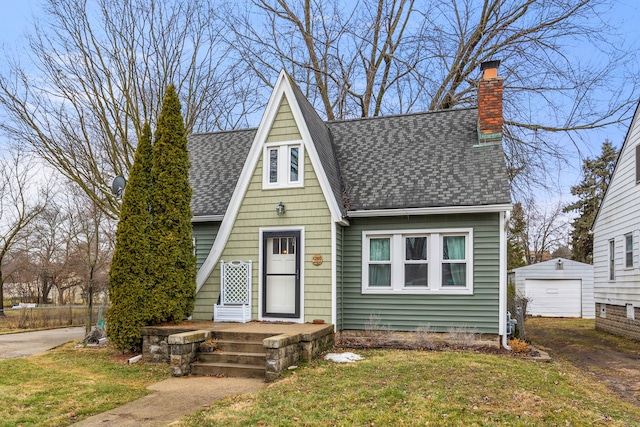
316	259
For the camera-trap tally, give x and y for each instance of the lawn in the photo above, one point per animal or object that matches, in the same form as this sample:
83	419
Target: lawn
395	388
387	388
65	385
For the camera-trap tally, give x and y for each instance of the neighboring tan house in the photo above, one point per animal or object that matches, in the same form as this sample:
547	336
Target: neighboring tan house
616	244
535	257
557	288
399	217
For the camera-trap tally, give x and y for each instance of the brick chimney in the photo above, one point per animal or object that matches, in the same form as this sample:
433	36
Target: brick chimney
490	104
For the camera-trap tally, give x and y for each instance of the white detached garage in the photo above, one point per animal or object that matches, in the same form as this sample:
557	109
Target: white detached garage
557	288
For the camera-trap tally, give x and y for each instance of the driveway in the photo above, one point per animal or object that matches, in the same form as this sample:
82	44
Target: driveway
28	343
613	360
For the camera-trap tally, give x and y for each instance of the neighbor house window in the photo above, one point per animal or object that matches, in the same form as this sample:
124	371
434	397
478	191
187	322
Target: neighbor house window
637	163
612	259
283	165
417	261
628	250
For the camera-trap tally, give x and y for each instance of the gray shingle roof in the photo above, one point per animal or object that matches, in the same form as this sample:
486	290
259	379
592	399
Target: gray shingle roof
419	160
324	145
408	161
216	163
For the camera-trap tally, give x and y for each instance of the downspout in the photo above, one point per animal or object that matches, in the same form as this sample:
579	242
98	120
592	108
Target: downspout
502	310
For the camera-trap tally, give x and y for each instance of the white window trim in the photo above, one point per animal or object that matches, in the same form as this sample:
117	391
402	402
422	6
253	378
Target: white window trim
284	165
434	260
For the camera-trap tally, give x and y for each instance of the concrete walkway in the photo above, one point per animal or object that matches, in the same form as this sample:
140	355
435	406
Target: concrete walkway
28	343
173	399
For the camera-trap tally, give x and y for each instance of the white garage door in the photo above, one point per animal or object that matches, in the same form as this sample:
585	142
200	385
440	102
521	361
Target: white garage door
554	298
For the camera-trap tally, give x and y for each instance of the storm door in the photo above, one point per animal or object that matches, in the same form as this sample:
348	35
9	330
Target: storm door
281	274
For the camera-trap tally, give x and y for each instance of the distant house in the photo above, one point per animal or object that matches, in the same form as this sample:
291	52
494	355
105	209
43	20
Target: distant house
535	257
398	217
557	288
616	244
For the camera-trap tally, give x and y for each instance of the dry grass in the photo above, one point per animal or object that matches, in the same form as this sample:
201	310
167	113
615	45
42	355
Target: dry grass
457	388
30	319
68	384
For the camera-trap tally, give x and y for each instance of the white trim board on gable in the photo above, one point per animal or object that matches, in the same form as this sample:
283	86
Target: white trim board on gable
281	88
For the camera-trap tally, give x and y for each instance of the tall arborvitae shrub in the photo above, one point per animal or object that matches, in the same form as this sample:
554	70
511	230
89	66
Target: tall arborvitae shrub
129	279
173	263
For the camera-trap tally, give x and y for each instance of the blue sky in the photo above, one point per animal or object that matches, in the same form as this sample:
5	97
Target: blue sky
17	15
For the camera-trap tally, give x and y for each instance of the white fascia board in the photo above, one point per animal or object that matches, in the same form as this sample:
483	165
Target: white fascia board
327	191
430	211
243	182
207	218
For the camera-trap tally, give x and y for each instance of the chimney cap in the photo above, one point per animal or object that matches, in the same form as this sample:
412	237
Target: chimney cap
487	65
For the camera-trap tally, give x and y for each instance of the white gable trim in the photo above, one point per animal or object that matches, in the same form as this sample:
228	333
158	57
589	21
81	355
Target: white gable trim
281	88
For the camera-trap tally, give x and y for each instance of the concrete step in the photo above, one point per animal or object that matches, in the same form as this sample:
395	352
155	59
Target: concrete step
256	359
241	336
241	346
228	369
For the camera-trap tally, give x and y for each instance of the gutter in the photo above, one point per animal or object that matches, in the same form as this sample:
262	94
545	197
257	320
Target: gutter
502	310
430	211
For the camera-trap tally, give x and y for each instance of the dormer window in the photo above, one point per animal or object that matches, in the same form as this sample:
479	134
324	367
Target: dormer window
283	165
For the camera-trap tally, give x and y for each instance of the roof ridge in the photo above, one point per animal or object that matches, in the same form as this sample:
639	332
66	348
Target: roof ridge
418	113
218	132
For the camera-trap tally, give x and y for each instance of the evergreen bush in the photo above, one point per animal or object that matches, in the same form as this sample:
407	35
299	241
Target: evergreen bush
173	260
129	279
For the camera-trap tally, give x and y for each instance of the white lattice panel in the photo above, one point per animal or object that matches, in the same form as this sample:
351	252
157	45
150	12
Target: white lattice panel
236	282
235	301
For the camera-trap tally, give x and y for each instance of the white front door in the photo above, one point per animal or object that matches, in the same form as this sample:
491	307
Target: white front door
281	274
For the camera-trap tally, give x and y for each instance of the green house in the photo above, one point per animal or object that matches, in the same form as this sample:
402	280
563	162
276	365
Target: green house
402	217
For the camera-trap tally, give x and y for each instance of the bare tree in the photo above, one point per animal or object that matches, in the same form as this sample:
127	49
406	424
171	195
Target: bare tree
51	247
346	57
546	229
97	71
90	230
395	56
20	203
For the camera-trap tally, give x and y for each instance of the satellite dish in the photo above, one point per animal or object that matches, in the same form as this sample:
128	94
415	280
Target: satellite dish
118	185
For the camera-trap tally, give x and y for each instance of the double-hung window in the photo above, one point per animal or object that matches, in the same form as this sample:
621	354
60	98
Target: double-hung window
416	266
454	260
283	165
628	251
380	261
417	261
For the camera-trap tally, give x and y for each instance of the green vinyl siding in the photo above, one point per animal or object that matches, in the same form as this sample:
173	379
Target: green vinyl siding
339	261
205	234
284	125
405	312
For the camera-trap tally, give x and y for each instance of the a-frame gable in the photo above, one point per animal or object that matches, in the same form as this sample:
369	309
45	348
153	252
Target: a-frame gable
282	91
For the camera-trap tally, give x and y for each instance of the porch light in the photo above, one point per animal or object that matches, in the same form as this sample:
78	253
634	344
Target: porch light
559	265
280	210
